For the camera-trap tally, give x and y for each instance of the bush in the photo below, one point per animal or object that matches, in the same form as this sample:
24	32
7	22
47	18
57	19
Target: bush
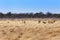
39	21
51	21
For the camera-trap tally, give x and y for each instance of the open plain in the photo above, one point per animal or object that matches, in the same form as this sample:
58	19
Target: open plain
29	29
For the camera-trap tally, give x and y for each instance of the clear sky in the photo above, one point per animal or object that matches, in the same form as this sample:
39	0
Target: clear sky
30	6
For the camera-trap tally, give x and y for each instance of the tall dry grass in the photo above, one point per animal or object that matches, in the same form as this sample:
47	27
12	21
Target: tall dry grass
30	29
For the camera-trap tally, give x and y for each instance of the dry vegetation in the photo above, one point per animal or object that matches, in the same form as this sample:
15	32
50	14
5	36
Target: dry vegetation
19	29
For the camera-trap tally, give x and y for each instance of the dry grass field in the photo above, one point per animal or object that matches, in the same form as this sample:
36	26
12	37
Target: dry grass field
29	29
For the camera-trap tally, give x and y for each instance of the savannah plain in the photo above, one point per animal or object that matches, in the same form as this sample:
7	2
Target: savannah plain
30	29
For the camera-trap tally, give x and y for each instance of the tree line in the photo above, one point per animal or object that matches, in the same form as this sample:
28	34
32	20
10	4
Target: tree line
29	15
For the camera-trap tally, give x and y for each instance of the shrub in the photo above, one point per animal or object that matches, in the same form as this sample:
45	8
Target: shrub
44	22
24	22
39	21
51	21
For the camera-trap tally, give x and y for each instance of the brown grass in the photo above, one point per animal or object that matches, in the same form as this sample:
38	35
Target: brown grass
30	29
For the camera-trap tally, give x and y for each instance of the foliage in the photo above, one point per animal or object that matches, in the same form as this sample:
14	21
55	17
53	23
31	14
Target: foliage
29	15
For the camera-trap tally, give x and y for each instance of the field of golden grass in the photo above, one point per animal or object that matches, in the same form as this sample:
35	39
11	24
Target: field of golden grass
29	29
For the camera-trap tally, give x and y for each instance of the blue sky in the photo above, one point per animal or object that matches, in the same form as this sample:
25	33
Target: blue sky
30	6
